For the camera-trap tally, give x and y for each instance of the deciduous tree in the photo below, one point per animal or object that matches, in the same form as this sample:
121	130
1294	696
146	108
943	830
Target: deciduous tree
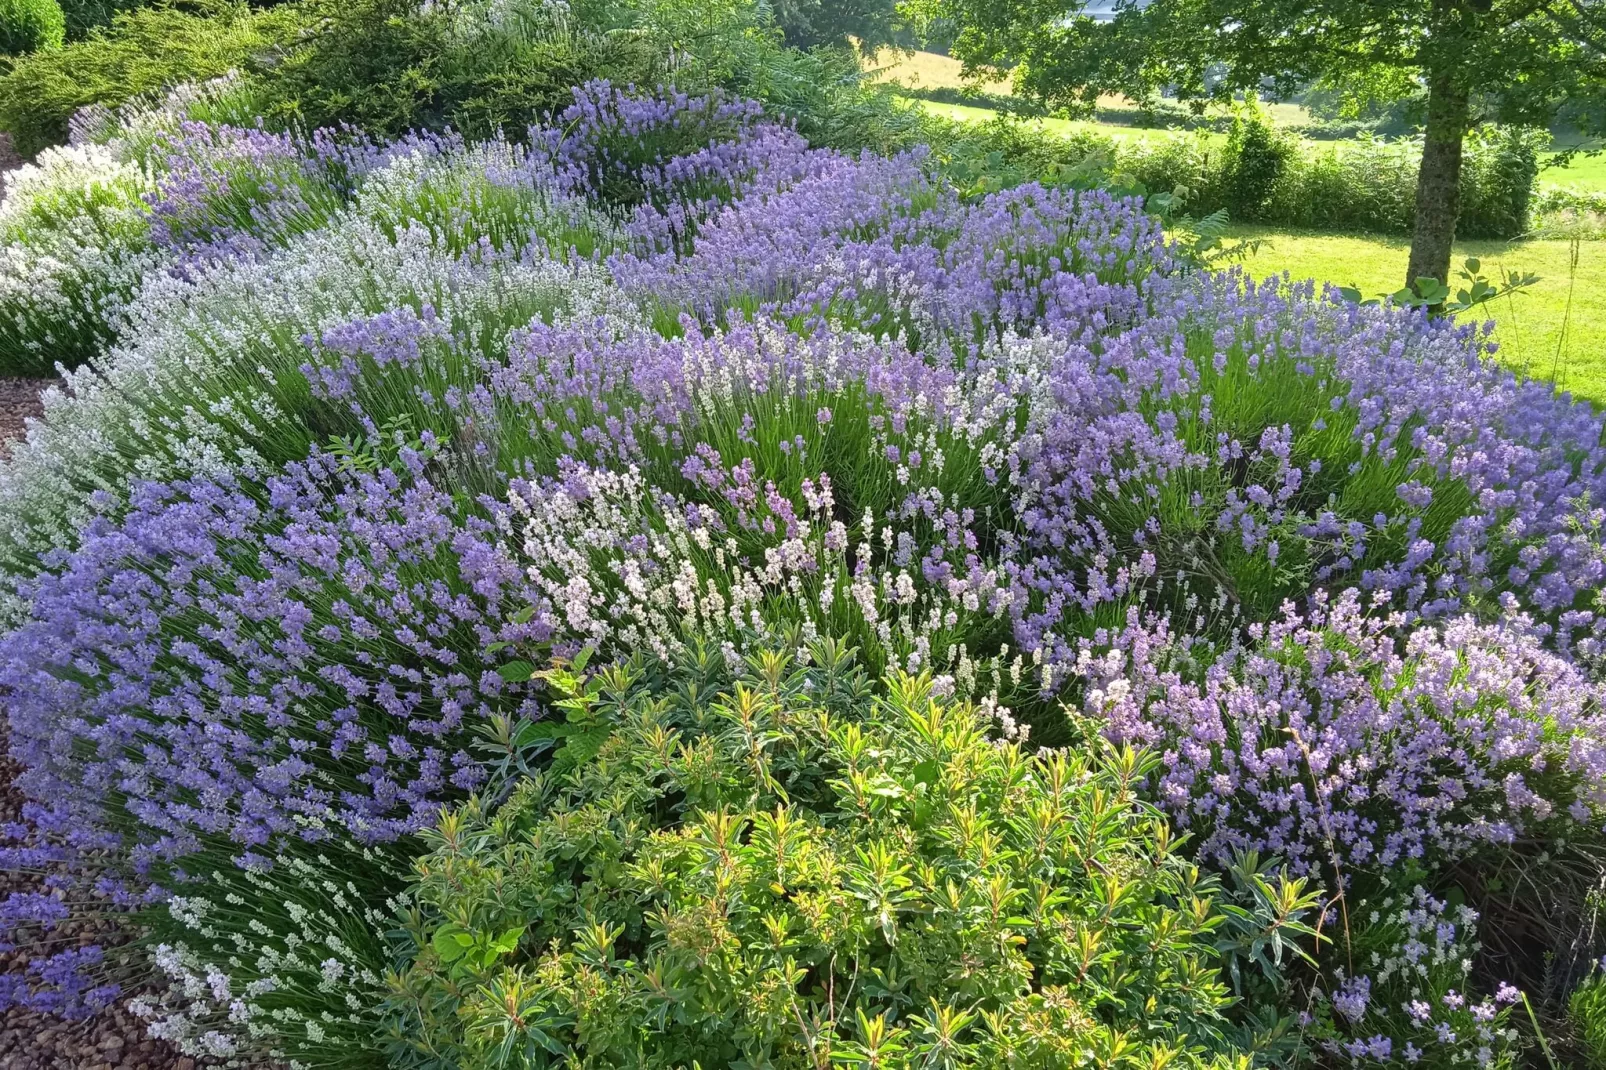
1514	61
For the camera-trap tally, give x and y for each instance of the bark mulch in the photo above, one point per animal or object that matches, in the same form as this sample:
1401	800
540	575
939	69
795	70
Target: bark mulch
114	1039
9	160
19	399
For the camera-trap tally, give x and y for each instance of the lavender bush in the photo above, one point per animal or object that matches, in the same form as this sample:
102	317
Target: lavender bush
388	434
294	620
280	673
210	376
1410	999
227	193
73	246
1327	740
660	148
144	191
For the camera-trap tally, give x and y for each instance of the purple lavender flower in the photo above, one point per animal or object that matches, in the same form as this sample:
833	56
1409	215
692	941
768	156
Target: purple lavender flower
227	192
1344	731
255	664
64	984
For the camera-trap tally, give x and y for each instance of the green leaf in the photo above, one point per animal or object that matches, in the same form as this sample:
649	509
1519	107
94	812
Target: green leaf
886	787
523	616
1350	293
582	747
531	732
584	656
1431	290
577	710
560	680
515	672
1473	264
446	943
508	940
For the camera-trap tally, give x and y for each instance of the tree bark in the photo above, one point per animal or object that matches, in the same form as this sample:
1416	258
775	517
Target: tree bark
1438	183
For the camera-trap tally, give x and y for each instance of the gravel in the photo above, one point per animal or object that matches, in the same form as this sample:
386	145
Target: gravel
114	1039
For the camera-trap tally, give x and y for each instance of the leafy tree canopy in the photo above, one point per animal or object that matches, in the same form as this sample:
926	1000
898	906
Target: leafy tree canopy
1513	61
1521	60
873	24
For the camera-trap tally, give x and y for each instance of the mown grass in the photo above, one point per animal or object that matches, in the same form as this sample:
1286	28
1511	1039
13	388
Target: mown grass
965	113
1588	172
1536	331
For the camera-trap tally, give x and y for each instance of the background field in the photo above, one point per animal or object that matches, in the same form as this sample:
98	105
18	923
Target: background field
1588	172
1062	127
927	70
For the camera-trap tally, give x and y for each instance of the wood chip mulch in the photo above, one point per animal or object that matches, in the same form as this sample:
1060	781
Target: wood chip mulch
19	399
114	1039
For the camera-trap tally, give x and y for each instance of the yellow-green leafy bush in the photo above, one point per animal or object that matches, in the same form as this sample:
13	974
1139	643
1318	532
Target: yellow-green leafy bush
796	869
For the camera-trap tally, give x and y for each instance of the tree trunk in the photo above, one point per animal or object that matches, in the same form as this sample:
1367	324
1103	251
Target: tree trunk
1438	183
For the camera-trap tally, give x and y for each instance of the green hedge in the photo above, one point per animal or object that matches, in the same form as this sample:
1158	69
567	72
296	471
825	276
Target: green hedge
1366	184
388	66
83	16
143	51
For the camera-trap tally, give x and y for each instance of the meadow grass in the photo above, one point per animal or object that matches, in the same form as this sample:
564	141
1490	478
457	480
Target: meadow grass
928	70
1537	334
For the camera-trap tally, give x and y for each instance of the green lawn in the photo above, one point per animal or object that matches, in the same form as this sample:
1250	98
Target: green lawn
966	114
1586	171
1529	326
